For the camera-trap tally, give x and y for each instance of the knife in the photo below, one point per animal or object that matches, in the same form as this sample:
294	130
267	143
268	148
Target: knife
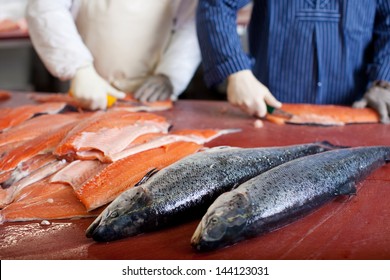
278	112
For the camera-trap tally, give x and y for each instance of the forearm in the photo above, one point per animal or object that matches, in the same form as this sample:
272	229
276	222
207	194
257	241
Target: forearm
220	44
55	37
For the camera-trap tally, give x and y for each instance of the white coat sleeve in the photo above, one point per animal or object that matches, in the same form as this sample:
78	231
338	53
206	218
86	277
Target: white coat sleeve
182	56
55	37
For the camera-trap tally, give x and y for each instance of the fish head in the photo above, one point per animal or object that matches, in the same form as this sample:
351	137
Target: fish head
123	217
223	222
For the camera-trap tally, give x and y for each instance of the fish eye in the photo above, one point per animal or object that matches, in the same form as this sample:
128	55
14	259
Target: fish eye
114	214
214	220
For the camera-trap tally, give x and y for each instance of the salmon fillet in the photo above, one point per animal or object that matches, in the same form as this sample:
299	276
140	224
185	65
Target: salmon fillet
14	116
324	115
37	175
25	168
36	126
107	184
128	104
45	201
39	145
108	132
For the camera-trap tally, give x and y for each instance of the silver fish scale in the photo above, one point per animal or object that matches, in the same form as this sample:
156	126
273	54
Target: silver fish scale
201	176
308	182
188	186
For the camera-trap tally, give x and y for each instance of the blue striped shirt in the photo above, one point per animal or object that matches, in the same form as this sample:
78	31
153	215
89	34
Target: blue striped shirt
306	51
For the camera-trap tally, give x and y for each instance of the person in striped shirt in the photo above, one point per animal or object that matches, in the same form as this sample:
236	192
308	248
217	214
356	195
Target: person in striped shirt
301	51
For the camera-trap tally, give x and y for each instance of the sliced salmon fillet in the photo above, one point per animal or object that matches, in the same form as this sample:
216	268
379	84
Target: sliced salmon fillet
55	97
128	104
25	168
324	115
125	173
45	201
39	145
78	172
101	145
36	126
109	131
14	116
199	136
41	173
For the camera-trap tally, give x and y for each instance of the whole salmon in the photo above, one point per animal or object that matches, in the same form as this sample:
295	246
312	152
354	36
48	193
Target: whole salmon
285	193
189	186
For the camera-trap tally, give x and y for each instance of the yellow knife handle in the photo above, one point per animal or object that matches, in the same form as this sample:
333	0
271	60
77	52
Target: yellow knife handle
110	99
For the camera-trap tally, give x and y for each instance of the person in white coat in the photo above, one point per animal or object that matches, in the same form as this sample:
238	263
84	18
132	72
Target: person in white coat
108	47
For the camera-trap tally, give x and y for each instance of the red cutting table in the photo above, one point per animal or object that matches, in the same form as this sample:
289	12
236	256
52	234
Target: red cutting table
356	227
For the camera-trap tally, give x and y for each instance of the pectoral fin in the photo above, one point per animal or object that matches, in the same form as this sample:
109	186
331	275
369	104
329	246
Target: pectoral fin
346	189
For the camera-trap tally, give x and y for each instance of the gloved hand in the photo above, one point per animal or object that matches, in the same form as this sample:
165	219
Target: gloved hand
245	91
378	98
155	88
91	89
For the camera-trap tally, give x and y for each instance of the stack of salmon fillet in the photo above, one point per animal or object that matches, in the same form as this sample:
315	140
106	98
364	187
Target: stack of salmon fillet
57	165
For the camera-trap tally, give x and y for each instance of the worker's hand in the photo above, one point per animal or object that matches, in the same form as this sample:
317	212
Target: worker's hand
245	91
378	98
155	88
92	90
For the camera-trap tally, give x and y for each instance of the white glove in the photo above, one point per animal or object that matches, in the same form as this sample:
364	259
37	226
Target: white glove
155	88
246	92
92	90
378	98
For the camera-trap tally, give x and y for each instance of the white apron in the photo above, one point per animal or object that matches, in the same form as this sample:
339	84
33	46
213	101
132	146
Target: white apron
125	37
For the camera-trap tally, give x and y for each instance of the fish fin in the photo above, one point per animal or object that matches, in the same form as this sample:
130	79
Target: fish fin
331	146
236	185
346	189
147	177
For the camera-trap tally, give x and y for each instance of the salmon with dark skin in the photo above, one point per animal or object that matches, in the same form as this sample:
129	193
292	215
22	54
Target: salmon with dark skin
189	186
284	194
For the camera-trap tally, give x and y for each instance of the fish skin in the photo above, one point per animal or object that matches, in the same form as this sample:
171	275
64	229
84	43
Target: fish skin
284	194
187	186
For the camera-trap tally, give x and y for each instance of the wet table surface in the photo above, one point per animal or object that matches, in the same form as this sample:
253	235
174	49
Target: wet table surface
355	227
